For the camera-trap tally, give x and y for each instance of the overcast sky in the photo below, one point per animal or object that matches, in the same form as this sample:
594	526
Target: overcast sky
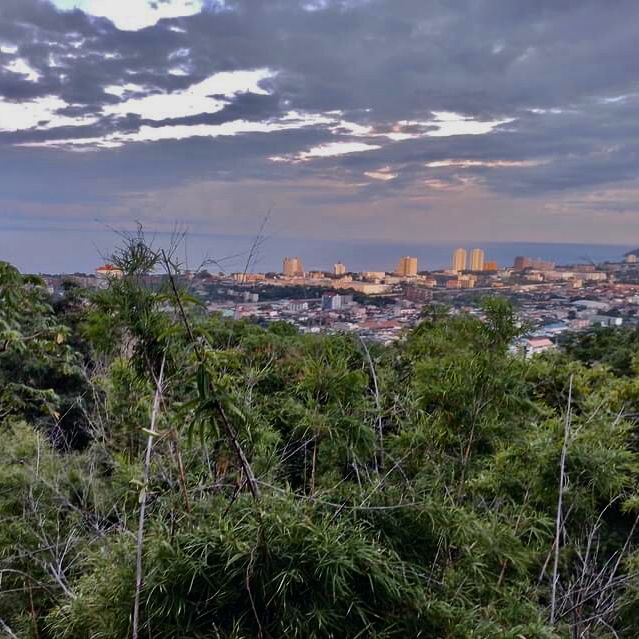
399	120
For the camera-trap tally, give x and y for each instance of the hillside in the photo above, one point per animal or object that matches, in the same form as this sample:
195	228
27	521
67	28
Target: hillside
165	473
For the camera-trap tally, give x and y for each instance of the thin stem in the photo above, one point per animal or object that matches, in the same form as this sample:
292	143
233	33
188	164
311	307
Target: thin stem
379	461
5	628
143	496
217	404
559	520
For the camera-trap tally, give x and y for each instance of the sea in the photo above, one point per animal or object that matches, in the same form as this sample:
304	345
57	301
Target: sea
233	253
82	251
383	256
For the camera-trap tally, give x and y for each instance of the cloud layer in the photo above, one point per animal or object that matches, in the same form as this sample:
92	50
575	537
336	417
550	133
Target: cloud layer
361	118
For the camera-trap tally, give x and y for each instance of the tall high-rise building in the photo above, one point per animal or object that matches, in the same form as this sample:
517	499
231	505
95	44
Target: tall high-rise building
339	269
459	260
293	267
406	267
477	259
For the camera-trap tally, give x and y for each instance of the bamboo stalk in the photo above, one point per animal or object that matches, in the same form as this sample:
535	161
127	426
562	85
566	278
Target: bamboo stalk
559	520
231	434
379	461
139	574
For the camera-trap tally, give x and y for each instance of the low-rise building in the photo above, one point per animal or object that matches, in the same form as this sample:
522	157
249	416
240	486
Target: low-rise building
536	345
605	320
108	271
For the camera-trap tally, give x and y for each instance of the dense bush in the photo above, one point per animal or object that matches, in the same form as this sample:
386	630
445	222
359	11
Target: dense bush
306	485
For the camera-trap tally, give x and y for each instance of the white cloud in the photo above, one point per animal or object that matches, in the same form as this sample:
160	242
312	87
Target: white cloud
466	164
331	149
150	134
361	130
179	53
449	123
121	89
445	124
384	174
199	98
196	100
337	148
40	113
132	15
180	132
554	111
192	101
181	71
22	66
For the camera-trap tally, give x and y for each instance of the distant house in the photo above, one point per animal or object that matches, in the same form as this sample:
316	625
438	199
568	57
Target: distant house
107	271
554	328
535	345
605	320
593	305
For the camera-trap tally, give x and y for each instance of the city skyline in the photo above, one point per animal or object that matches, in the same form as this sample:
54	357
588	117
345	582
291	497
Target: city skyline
503	124
557	297
231	253
407	268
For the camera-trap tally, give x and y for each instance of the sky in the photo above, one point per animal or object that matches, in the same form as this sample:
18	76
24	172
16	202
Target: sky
399	121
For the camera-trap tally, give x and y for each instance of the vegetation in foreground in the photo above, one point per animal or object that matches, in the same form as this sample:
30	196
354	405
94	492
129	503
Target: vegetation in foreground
168	474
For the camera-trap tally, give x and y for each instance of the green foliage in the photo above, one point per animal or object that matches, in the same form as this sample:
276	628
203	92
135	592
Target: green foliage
616	348
287	570
54	509
41	377
404	491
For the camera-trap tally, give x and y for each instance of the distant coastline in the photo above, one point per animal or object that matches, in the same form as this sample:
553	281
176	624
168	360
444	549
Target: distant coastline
43	251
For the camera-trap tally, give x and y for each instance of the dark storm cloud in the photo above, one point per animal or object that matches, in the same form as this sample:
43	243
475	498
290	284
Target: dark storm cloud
396	57
548	66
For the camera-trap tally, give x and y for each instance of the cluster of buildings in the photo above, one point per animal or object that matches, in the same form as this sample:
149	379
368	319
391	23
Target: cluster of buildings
558	309
380	305
551	298
474	262
466	270
462	261
523	263
407	266
330	312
